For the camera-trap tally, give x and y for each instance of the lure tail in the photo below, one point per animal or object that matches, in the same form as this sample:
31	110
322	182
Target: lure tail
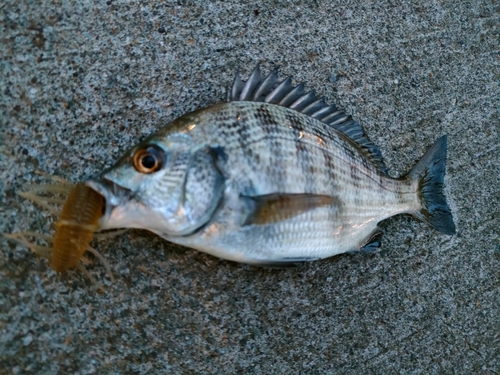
429	172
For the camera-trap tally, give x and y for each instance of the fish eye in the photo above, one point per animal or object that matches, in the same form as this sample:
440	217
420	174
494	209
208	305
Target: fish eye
149	159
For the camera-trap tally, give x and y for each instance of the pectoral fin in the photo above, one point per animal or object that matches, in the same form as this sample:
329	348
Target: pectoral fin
273	208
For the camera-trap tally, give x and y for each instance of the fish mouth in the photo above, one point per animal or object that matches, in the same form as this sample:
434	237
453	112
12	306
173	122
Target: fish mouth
113	194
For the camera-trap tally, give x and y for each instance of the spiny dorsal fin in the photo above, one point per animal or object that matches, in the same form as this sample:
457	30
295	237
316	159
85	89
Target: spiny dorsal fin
269	90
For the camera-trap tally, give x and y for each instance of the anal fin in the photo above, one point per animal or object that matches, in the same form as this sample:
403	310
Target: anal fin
372	245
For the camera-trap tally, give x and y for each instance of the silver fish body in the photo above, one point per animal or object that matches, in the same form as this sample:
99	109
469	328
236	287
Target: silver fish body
272	177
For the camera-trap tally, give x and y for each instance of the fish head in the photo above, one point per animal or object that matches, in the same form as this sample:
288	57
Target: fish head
168	184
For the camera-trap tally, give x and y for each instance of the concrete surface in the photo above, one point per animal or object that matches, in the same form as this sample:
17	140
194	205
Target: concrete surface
81	81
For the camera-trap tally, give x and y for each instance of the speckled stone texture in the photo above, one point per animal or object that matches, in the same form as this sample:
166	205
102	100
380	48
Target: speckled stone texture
81	81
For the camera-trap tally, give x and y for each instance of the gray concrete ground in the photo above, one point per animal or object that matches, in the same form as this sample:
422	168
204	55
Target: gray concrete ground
81	81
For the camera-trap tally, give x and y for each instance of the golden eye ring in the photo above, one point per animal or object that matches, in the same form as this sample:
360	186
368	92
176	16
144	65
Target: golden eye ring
149	159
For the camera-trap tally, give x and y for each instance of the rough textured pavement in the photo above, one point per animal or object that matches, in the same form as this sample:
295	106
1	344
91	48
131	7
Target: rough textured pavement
81	81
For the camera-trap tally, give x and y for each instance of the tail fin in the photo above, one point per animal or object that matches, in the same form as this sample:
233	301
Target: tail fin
429	172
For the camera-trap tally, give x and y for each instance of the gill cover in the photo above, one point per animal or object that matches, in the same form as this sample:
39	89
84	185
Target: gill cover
203	191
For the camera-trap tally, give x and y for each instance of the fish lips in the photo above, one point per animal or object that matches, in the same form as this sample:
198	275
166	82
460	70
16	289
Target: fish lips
114	195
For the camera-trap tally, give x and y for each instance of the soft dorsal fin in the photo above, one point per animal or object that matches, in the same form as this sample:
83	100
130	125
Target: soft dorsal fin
269	89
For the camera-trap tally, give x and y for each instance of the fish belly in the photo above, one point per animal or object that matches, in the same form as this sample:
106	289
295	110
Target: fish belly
318	233
304	238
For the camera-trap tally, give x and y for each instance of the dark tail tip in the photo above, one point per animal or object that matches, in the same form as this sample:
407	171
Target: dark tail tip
429	172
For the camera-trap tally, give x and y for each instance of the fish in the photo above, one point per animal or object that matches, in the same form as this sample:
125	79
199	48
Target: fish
272	176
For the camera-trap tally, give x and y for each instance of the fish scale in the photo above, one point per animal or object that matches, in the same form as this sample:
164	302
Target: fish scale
260	142
274	176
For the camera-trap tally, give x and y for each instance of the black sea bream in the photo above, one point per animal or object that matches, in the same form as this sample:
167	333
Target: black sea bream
274	176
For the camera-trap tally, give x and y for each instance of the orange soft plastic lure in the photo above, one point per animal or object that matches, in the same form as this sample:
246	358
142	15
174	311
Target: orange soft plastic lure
75	228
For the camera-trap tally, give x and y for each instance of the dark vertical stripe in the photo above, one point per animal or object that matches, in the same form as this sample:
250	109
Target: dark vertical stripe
304	160
302	154
332	183
240	127
270	127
